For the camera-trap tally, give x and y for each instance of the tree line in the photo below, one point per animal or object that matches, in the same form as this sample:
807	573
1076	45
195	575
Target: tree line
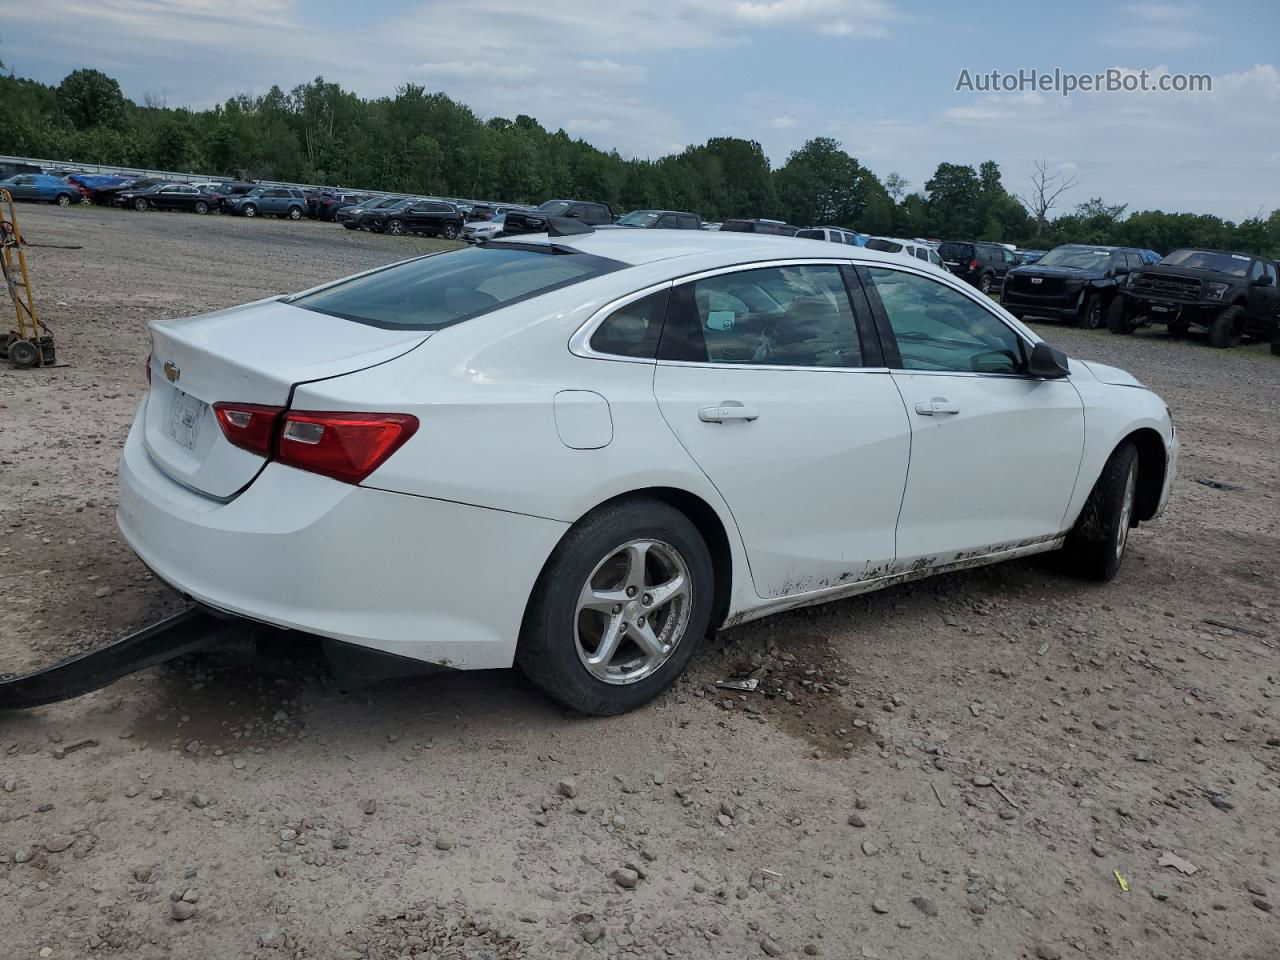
422	142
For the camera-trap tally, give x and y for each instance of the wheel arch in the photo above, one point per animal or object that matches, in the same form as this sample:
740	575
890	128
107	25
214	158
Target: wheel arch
1152	464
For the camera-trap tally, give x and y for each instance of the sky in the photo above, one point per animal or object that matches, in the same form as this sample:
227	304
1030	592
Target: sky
648	77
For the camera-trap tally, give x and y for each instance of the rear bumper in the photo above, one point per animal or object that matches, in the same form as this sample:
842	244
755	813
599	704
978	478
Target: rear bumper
437	581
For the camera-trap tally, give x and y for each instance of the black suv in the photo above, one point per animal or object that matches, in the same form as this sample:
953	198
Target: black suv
435	217
535	220
1232	294
775	227
660	220
982	264
1073	282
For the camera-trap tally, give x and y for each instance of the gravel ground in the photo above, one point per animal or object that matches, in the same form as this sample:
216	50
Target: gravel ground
962	767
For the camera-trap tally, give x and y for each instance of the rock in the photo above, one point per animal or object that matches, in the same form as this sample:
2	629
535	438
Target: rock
193	746
869	848
592	933
341	841
288	834
770	948
860	804
567	788
981	781
142	873
58	843
370	807
856	821
191	895
1097	851
1047	951
200	800
625	878
880	906
1262	904
723	820
1257	889
24	855
728	809
182	910
443	844
10	785
811	950
925	906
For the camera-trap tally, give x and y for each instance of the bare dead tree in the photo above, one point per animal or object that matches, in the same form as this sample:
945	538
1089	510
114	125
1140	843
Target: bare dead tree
895	184
1046	188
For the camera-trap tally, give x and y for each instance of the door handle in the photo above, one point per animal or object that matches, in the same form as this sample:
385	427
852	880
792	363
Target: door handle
938	405
727	410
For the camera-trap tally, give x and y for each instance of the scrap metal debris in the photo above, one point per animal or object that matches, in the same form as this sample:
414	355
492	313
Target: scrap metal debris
1171	859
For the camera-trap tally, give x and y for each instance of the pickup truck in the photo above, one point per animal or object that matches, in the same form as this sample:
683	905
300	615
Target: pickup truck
535	220
1233	295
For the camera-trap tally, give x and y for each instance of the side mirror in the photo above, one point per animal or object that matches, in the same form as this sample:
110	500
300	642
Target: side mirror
1048	362
1262	281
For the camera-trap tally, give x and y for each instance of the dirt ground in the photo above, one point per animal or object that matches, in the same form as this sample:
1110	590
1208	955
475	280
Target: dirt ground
987	764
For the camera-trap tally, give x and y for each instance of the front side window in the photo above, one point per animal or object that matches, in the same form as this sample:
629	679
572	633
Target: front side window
1271	272
437	291
633	330
938	328
794	316
1256	270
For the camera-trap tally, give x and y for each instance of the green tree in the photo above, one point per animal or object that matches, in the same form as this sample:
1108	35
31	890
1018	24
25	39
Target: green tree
89	97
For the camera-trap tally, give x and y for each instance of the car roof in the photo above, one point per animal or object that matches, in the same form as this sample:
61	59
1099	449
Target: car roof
635	247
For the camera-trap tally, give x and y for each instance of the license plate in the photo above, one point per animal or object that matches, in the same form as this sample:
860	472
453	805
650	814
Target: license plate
186	413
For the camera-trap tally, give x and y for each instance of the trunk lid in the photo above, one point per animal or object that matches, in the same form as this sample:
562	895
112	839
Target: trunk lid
254	353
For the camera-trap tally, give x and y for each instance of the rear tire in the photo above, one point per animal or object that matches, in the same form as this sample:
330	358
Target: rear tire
984	284
395	228
1225	330
295	213
594	559
249	210
140	203
64	200
451	231
1118	319
201	207
1096	544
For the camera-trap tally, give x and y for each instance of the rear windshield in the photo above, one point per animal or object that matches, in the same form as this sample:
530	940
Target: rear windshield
1235	264
437	291
638	218
952	250
1083	258
887	246
738	226
811	234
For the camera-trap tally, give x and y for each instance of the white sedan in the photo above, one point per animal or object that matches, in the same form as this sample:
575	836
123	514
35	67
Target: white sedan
582	452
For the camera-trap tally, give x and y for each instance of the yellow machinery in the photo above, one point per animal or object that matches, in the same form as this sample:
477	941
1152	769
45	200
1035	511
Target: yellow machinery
30	344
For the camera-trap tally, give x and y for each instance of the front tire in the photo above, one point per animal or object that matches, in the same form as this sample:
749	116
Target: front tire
201	207
395	228
620	608
1118	318
1096	544
1225	330
140	203
451	231
295	213
250	210
64	200
1091	314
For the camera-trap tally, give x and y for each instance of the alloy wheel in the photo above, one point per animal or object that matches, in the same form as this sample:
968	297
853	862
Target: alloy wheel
633	611
1126	509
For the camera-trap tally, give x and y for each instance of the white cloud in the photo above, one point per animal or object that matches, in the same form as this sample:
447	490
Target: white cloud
1158	26
615	71
784	122
832	17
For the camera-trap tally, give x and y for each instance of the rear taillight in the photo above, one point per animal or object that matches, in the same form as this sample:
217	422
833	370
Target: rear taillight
344	446
250	426
148	368
973	264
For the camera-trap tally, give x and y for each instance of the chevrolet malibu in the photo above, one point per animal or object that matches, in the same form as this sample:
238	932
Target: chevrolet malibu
581	452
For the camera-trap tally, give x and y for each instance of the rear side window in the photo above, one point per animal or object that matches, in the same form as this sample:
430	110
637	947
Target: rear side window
688	222
633	330
811	234
795	316
437	291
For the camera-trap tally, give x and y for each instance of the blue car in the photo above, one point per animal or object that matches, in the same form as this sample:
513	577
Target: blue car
43	187
282	201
